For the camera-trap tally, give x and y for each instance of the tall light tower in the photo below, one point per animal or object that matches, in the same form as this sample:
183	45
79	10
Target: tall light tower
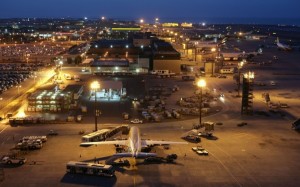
240	66
95	86
201	84
247	96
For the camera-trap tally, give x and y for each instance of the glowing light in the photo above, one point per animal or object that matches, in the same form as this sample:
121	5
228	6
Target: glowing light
21	114
201	83
95	85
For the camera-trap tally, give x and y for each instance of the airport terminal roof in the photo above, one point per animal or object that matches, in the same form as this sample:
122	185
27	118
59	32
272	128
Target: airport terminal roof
110	63
111	44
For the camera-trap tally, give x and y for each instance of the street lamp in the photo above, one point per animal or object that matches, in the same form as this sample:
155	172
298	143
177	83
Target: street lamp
201	84
95	86
240	65
19	89
60	68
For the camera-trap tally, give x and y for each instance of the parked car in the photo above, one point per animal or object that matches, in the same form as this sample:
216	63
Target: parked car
52	133
192	138
136	121
202	151
13	160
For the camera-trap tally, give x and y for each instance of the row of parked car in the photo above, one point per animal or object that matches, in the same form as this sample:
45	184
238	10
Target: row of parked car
13	74
157	117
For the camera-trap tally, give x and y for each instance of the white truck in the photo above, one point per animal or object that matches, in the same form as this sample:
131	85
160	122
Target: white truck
42	138
13	160
163	73
77	78
227	70
27	143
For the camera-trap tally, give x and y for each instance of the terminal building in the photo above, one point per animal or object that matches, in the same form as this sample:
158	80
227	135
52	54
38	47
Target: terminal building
49	101
110	66
55	100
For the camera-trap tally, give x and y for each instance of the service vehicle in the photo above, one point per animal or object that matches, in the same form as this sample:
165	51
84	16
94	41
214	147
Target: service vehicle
163	73
202	151
67	76
192	138
52	133
90	169
272	83
96	136
13	160
227	71
77	78
79	118
42	138
136	121
30	144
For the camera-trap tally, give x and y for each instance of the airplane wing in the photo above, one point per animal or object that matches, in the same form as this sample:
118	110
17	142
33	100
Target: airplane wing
159	142
139	155
115	142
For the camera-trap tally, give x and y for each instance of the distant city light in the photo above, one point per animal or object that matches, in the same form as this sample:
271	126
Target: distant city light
203	24
85	18
102	18
141	20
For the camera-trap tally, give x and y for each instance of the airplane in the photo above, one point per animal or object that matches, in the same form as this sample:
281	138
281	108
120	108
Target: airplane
282	46
134	143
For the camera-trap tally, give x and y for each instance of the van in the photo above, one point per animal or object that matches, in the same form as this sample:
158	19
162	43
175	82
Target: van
272	83
68	76
76	78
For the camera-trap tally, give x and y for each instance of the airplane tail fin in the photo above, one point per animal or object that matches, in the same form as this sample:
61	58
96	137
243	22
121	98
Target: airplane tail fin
139	155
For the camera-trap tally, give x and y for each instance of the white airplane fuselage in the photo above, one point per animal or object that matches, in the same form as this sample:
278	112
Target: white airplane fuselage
134	141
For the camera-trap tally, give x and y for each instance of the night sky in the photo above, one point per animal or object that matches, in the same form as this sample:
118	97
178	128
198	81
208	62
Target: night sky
149	9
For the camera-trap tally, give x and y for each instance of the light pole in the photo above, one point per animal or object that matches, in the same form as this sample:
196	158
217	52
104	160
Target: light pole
240	65
60	68
201	83
19	89
95	86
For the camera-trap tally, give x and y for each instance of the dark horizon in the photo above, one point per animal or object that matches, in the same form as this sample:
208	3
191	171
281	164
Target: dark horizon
195	20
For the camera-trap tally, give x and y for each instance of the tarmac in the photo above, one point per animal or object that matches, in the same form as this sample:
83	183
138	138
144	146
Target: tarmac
265	152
